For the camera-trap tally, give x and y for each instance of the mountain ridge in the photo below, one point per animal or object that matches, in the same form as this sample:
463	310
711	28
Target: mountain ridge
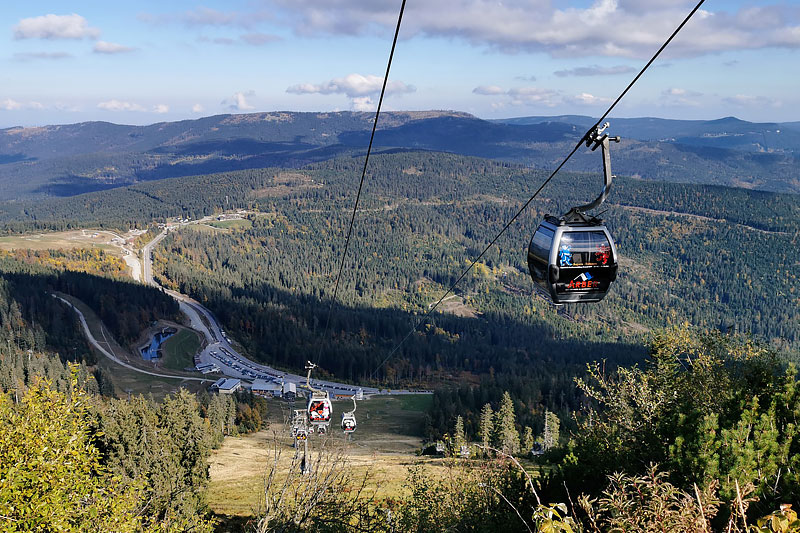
63	160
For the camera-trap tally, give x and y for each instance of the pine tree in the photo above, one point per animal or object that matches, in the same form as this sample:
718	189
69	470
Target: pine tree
551	430
487	424
506	434
459	439
527	440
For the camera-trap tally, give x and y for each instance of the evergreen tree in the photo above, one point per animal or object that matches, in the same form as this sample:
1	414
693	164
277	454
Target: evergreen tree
506	434
487	425
527	440
551	430
459	439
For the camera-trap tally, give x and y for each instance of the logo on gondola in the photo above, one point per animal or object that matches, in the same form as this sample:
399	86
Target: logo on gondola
319	411
603	254
565	255
584	281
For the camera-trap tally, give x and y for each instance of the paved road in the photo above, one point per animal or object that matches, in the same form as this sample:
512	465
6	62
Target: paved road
220	351
94	342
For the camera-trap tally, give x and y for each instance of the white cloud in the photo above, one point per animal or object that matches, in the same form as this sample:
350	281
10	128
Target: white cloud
352	85
116	105
746	100
677	91
362	103
622	28
205	16
488	90
161	109
55	27
519	96
104	47
595	70
12	105
357	87
197	108
533	96
588	99
678	96
238	102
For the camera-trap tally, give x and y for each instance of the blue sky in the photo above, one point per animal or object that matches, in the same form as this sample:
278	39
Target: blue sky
145	62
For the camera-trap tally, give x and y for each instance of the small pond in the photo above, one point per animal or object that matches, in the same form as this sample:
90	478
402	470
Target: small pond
153	349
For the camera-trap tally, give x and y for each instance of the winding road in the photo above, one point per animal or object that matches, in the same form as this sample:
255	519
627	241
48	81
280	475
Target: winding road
94	342
220	351
218	348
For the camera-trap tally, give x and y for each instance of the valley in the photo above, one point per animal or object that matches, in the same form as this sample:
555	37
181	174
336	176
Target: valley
240	264
461	266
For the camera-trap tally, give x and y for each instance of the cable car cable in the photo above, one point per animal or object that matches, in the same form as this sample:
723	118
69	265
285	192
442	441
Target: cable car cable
363	174
542	186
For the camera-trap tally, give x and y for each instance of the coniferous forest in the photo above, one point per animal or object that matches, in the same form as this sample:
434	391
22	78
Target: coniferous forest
676	395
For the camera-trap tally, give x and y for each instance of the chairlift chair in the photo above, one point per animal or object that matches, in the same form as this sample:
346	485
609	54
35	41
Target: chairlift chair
573	259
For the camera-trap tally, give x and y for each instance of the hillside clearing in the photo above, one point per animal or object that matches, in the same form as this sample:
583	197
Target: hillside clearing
389	432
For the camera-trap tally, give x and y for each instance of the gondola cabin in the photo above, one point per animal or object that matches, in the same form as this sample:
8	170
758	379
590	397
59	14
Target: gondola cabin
319	408
348	422
573	261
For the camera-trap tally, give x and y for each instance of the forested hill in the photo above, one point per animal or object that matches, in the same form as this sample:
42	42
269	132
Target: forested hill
67	160
690	252
717	257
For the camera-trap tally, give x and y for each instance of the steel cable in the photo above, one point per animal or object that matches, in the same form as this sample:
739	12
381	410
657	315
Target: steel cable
542	186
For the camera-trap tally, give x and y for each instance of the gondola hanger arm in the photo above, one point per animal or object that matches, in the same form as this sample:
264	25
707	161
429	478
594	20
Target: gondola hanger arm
310	366
597	138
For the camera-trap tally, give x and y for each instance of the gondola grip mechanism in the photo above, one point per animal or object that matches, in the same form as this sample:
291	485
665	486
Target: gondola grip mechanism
596	138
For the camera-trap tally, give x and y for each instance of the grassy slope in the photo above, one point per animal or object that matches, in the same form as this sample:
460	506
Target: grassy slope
383	445
232	224
62	240
178	350
127	381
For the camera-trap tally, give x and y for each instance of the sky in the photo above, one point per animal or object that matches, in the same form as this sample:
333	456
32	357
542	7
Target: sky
142	62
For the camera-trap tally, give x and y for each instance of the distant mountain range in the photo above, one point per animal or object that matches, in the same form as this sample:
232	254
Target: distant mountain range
728	132
72	159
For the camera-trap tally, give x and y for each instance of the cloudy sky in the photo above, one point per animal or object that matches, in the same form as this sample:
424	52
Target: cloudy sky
140	62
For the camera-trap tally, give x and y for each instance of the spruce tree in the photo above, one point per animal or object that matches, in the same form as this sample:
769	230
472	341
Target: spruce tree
506	434
527	440
551	430
487	425
459	439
